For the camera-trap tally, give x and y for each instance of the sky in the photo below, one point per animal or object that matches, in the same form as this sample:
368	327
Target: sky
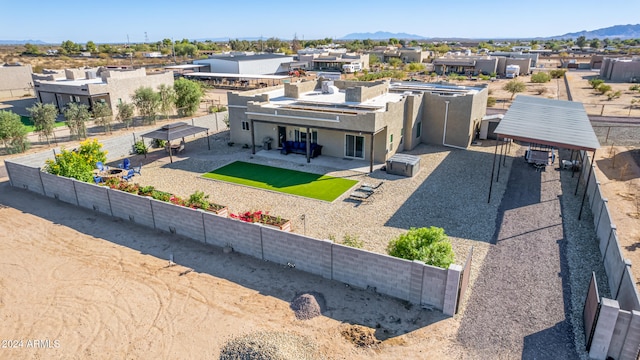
119	21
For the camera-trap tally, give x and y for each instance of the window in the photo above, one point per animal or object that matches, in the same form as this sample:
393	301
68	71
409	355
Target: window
391	142
419	129
301	135
245	125
354	146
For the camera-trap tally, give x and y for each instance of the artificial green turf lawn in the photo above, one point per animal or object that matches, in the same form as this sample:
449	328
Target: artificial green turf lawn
26	121
321	187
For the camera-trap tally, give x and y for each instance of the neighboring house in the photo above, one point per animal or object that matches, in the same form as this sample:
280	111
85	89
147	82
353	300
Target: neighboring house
620	69
331	59
474	65
361	120
15	81
256	64
87	86
406	54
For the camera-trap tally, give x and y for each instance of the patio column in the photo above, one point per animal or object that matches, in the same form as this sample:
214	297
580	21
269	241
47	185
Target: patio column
308	146
253	139
371	153
493	168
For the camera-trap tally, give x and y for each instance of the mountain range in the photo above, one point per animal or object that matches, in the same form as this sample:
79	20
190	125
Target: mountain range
613	32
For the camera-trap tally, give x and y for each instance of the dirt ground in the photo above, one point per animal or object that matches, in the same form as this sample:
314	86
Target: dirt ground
618	169
97	287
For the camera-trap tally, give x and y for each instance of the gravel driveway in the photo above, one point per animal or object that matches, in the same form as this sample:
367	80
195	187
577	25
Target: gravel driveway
520	301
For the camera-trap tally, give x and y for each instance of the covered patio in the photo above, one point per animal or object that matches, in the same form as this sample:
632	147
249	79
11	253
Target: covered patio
174	131
547	123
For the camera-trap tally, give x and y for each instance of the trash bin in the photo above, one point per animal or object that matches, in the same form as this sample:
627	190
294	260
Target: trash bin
266	143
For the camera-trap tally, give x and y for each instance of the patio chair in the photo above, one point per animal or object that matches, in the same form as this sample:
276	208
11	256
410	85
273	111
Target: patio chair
125	164
100	166
137	169
128	175
97	179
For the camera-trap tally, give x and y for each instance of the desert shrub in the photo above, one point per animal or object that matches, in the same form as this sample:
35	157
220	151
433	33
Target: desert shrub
541	90
491	101
613	95
603	88
139	147
595	83
353	241
198	200
429	245
540	77
557	74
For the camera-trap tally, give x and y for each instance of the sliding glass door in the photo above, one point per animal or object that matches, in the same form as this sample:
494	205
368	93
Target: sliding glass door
354	146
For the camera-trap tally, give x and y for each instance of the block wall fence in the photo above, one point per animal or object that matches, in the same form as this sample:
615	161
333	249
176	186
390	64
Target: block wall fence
617	332
412	281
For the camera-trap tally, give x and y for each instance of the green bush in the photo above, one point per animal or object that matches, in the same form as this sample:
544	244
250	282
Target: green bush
429	245
139	147
603	88
540	77
595	83
557	74
77	164
491	101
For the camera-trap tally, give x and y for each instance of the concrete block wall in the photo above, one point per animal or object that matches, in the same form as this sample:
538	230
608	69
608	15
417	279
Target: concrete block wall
59	188
628	293
242	237
434	282
603	333
388	275
24	177
178	220
631	344
306	254
451	289
621	327
614	264
605	227
93	197
131	207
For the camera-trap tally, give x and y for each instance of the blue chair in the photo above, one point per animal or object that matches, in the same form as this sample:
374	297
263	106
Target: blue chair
100	166
125	164
97	179
129	175
137	169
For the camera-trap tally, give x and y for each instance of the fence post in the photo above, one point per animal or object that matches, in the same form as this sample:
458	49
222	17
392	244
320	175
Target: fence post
604	202
451	289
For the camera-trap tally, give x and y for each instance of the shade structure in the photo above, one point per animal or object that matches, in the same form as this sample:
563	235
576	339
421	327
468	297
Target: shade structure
174	131
557	123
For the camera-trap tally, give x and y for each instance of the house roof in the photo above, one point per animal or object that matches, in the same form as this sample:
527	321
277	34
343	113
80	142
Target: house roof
558	123
236	76
255	57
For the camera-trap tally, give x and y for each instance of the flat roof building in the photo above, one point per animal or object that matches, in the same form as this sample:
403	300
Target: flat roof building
361	120
15	81
87	86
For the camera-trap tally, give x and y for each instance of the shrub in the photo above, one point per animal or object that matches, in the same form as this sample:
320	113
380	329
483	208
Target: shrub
198	200
139	147
603	88
77	164
429	245
595	83
557	74
491	101
353	241
540	77
613	95
541	90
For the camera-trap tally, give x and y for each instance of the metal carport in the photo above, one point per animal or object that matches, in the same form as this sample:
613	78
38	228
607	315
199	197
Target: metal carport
555	123
176	131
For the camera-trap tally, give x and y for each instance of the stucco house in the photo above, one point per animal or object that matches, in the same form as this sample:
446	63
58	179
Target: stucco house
620	69
87	86
369	121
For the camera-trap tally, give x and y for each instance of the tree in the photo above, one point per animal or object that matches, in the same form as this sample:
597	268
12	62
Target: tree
540	77
91	47
125	113
595	43
147	102
514	87
12	132
188	95
167	99
581	41
395	62
76	116
69	47
429	245
44	119
374	59
30	49
103	115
